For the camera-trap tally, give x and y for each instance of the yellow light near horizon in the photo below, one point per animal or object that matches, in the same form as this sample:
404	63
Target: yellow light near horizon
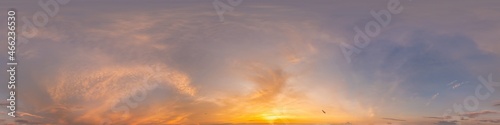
271	117
275	118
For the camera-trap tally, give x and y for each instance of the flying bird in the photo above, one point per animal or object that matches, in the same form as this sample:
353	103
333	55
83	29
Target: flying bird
323	111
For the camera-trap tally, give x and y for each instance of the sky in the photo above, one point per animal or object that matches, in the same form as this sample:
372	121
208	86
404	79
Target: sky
283	62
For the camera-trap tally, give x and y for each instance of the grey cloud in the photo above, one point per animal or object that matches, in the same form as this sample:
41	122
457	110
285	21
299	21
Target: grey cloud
443	118
477	114
393	119
446	123
27	122
490	120
496	104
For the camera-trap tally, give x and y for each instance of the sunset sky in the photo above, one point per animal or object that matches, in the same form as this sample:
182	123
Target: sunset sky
155	62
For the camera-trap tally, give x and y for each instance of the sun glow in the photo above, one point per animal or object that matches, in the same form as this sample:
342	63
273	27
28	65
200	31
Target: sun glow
271	117
276	117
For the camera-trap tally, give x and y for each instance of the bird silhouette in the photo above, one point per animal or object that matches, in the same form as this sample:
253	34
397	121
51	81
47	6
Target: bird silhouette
323	111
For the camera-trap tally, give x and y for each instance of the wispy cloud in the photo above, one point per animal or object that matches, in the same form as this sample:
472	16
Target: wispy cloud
456	84
433	117
24	122
446	123
497	104
24	114
490	120
479	113
432	99
393	119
